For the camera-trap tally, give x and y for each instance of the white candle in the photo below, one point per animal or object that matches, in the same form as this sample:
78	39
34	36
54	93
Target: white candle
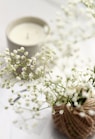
29	32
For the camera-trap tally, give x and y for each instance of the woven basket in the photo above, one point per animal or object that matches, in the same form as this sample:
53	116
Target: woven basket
72	124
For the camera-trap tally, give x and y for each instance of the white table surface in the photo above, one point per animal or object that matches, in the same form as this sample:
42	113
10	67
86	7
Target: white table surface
10	10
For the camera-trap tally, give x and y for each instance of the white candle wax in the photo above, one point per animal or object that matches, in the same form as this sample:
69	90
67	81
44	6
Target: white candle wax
27	34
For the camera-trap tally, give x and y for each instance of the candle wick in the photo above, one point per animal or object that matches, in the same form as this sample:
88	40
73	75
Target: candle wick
27	36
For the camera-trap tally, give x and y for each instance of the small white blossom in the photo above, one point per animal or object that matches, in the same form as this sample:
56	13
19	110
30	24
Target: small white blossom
22	48
26	53
23	73
29	64
13	68
22	57
61	112
18	78
12	54
15	51
17	62
30	75
91	112
34	61
7	59
17	56
32	67
68	104
85	94
58	103
24	69
82	114
76	104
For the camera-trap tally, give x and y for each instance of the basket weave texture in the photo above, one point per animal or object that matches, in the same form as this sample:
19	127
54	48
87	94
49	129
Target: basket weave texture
72	124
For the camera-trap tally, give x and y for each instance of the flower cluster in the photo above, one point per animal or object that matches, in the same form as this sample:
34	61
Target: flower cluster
72	22
72	91
88	3
19	66
74	25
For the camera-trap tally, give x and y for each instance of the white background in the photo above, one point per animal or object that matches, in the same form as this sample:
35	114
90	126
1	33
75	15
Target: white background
10	10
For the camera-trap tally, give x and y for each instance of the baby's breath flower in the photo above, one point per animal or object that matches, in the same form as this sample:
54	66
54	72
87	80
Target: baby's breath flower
15	51
24	69
30	75
18	62
7	59
26	53
61	112
58	103
85	94
23	73
22	49
33	60
12	54
32	67
91	112
18	78
17	56
82	114
22	57
76	104
68	104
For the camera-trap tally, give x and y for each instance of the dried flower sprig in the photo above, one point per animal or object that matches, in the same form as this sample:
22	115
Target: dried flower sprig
18	66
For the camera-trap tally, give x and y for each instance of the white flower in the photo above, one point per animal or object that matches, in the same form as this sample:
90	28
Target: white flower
15	51
76	104
18	62
26	53
7	59
7	49
23	73
33	60
32	67
17	56
37	54
85	94
23	57
91	112
29	64
61	112
30	75
82	114
12	54
38	70
74	99
13	68
22	48
43	58
70	92
24	69
18	78
58	103
68	104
